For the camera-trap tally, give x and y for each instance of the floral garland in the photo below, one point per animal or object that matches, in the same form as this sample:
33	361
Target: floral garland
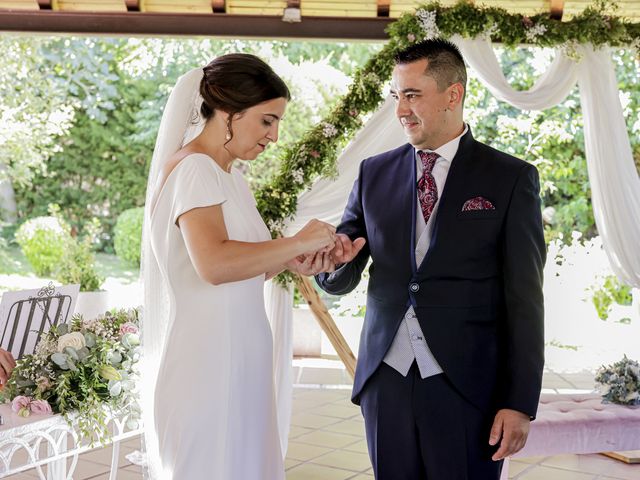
316	152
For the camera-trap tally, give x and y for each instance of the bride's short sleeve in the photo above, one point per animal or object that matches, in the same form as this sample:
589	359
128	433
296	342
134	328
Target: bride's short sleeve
197	184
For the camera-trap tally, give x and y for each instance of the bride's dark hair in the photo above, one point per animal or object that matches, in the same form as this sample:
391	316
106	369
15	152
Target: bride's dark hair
237	81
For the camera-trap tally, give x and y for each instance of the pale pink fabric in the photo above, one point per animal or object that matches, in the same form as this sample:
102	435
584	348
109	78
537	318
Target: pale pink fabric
580	424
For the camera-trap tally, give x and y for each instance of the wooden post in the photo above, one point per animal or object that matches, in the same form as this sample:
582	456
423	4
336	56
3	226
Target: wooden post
319	310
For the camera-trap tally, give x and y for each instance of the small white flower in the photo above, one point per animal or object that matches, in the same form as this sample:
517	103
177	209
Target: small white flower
274	225
490	30
571	50
536	31
372	77
298	175
548	215
428	23
329	130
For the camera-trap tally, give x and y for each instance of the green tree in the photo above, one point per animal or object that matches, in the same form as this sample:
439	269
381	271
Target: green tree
101	169
33	112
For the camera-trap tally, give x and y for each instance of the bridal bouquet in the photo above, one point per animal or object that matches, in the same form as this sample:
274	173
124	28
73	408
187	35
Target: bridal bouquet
620	382
85	370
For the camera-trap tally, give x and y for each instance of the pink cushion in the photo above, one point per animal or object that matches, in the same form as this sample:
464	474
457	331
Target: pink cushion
581	423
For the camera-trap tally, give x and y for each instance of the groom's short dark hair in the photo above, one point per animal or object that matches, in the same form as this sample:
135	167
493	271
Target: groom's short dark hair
445	62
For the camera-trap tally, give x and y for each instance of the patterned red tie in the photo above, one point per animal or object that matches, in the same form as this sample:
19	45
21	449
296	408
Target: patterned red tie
427	188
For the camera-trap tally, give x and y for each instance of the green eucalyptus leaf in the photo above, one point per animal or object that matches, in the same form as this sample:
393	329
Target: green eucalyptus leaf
72	353
83	353
115	388
72	365
59	359
90	339
114	358
130	340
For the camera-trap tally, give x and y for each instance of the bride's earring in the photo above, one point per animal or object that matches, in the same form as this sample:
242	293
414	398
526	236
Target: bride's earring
228	135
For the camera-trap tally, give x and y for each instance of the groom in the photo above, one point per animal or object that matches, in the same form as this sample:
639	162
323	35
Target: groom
451	355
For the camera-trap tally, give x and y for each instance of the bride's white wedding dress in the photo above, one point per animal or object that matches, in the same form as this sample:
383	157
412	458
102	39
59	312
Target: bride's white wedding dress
215	412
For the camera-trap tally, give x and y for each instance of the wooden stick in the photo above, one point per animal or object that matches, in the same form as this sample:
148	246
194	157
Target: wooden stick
319	310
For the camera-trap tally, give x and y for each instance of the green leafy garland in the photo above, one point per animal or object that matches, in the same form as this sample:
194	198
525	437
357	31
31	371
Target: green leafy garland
316	152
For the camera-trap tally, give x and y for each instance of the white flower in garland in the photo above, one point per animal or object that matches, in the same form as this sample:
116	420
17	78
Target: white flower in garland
298	175
371	77
428	23
275	225
490	30
535	31
329	130
571	50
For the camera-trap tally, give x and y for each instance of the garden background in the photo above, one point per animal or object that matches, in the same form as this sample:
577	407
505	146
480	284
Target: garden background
79	116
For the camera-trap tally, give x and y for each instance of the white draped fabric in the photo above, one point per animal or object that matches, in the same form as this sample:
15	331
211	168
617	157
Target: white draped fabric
615	184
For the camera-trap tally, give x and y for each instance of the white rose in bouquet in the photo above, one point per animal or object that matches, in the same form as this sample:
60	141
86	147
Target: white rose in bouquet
74	340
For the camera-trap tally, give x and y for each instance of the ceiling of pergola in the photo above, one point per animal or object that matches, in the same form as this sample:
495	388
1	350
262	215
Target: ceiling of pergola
339	19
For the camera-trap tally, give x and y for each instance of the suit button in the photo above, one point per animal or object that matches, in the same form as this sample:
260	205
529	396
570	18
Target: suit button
414	287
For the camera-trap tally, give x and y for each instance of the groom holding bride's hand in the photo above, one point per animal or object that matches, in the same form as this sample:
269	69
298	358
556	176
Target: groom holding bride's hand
451	354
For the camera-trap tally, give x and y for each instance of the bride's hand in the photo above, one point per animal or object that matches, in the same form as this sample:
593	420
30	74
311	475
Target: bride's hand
311	264
316	235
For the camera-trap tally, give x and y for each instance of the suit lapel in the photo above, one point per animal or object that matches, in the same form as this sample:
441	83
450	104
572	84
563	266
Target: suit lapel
412	190
454	184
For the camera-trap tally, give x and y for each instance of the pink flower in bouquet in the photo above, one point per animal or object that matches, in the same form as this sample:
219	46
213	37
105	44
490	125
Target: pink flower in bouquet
40	407
20	405
128	328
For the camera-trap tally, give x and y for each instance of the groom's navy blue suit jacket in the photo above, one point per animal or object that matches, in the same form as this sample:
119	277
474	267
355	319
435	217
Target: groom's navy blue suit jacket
478	292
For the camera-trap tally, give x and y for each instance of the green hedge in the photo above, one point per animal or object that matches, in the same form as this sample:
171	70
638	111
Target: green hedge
77	265
128	235
43	241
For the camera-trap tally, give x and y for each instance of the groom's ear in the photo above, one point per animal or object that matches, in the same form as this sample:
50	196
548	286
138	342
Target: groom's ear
456	94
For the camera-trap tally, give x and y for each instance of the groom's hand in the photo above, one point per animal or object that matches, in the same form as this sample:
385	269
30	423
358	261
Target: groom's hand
511	429
345	250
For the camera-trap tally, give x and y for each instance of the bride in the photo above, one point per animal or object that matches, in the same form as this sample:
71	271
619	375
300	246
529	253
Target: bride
208	393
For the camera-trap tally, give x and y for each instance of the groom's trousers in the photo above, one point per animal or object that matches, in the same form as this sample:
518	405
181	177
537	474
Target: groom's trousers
423	429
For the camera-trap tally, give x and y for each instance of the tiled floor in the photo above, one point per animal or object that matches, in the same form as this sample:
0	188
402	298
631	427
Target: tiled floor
327	437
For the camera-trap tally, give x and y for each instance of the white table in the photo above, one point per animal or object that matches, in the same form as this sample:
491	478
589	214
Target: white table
48	440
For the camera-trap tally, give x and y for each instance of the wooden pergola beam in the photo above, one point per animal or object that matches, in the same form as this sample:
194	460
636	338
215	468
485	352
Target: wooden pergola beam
219	6
557	9
227	25
384	6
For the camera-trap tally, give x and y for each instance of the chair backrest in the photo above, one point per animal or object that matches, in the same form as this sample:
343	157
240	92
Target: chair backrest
28	319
